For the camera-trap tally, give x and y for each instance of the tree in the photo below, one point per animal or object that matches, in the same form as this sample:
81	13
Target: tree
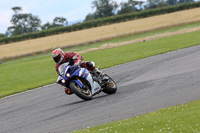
47	25
140	4
2	35
185	1
130	6
57	21
16	9
172	2
60	21
156	3
91	16
104	8
23	23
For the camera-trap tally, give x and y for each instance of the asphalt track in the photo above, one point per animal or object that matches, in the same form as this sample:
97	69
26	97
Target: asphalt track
143	86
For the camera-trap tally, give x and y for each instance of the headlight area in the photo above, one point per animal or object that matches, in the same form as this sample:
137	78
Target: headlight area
63	81
67	75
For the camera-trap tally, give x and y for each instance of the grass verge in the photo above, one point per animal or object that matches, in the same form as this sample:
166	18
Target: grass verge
28	74
183	118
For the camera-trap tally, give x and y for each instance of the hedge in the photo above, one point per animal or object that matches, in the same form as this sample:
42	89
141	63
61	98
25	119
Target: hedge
99	22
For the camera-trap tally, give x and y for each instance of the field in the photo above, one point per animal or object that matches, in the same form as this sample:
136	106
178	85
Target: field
100	33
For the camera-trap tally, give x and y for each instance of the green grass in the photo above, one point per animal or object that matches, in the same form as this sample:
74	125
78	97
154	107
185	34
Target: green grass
183	118
24	75
28	74
123	54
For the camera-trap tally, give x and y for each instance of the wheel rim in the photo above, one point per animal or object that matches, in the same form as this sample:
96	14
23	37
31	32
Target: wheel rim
111	84
84	91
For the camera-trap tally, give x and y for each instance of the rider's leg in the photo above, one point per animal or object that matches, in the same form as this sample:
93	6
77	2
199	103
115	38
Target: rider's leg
91	66
88	65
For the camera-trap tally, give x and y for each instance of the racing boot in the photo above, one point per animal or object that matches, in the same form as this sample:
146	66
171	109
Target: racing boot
97	72
68	92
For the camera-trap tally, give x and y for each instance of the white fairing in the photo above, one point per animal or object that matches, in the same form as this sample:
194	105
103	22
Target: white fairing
59	78
95	86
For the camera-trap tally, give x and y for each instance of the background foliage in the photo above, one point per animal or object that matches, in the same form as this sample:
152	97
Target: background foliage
58	25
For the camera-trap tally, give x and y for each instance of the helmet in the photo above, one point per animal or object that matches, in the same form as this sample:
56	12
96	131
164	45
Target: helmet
58	55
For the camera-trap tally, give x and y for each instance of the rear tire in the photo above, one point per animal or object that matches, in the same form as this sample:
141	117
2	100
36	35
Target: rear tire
84	94
111	86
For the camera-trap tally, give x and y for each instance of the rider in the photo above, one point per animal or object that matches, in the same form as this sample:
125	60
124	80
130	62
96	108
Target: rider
60	57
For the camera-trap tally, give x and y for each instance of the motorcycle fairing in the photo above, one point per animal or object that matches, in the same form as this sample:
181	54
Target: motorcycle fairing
83	73
59	78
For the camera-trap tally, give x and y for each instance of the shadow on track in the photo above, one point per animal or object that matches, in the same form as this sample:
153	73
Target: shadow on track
81	101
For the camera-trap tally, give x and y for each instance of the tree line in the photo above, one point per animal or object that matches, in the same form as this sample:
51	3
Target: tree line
107	8
23	23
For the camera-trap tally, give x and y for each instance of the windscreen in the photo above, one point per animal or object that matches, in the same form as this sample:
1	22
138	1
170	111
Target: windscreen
61	68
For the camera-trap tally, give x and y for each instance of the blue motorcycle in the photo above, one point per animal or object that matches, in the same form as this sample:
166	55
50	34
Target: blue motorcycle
84	83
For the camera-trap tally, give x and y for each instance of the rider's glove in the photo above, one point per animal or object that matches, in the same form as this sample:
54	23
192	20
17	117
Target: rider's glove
77	64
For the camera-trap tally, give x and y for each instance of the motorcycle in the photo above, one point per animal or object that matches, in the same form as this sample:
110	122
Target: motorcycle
84	83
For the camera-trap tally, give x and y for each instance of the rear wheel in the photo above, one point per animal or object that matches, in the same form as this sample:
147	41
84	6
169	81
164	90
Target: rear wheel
111	86
83	93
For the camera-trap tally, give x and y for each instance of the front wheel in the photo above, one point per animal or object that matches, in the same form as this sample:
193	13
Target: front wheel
111	86
83	93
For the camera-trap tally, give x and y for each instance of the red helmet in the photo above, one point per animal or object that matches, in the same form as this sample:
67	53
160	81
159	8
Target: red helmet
58	55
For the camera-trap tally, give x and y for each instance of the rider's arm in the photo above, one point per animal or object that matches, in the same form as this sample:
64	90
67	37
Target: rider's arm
77	58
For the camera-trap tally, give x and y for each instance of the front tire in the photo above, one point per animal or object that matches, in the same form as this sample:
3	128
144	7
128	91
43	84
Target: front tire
111	86
84	94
